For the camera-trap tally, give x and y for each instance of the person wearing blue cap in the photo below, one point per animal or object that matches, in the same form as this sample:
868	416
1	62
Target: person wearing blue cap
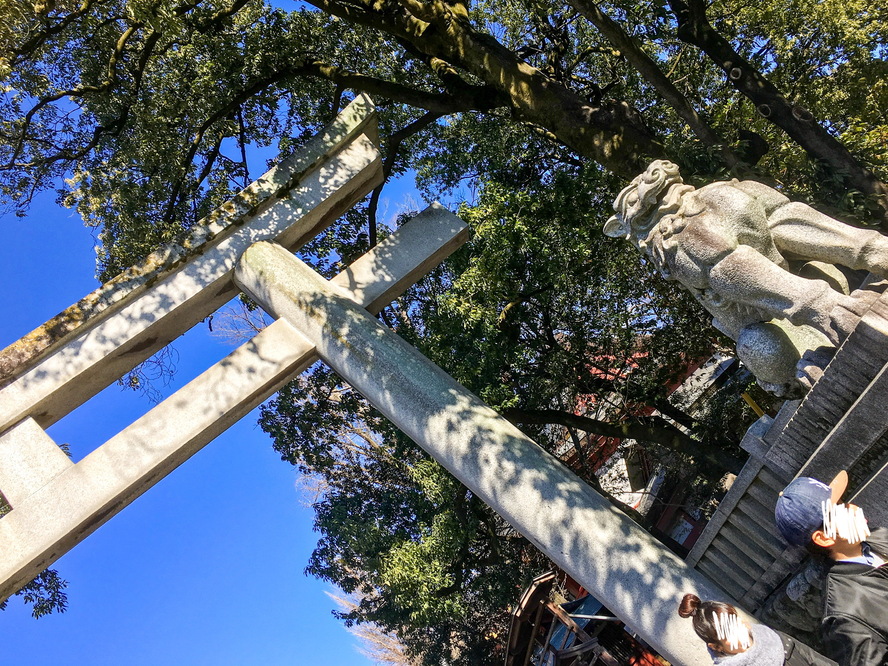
855	591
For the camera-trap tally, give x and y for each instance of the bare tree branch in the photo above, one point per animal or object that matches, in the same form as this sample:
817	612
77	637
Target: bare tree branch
392	148
669	437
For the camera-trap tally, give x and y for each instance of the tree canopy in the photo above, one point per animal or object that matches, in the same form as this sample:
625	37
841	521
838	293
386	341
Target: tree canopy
141	113
104	93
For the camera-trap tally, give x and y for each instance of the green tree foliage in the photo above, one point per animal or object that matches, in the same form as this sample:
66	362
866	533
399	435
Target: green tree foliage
543	310
833	66
45	594
145	106
428	561
140	112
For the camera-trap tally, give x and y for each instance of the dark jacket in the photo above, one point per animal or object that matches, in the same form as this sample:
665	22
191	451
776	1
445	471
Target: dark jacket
855	614
796	653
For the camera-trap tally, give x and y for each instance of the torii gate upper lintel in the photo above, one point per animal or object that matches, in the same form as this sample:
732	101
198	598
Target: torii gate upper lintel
289	204
57	503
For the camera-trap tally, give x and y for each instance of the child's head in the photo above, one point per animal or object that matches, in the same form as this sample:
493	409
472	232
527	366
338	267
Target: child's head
808	513
717	624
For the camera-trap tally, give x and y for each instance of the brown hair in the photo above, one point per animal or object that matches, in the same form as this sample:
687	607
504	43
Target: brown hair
702	612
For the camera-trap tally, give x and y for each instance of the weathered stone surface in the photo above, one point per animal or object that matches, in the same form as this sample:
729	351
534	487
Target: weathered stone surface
67	503
108	346
617	561
29	459
873	496
761	264
726	506
258	196
729	571
797	607
714	571
753	441
858	429
846	382
741	526
404	257
842	423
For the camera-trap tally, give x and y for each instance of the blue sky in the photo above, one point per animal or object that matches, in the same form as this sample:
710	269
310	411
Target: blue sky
206	567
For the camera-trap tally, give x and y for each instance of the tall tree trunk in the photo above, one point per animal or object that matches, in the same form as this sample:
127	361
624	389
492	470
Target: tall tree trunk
694	28
611	133
652	73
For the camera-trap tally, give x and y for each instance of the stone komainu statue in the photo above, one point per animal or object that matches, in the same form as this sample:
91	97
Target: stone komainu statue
776	275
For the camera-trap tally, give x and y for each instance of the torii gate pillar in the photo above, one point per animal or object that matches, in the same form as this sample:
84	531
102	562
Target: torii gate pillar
621	564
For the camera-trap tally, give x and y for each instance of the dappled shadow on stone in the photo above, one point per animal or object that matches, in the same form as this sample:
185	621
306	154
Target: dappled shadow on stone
617	561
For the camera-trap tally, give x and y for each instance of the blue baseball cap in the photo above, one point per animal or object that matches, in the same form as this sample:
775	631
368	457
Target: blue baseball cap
799	510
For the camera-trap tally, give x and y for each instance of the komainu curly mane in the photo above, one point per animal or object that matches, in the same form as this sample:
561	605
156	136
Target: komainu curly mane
646	201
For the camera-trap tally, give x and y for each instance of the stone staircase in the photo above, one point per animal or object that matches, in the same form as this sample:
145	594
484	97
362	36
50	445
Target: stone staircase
841	424
740	543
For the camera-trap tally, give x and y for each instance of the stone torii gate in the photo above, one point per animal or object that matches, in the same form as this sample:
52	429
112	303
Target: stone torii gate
248	243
